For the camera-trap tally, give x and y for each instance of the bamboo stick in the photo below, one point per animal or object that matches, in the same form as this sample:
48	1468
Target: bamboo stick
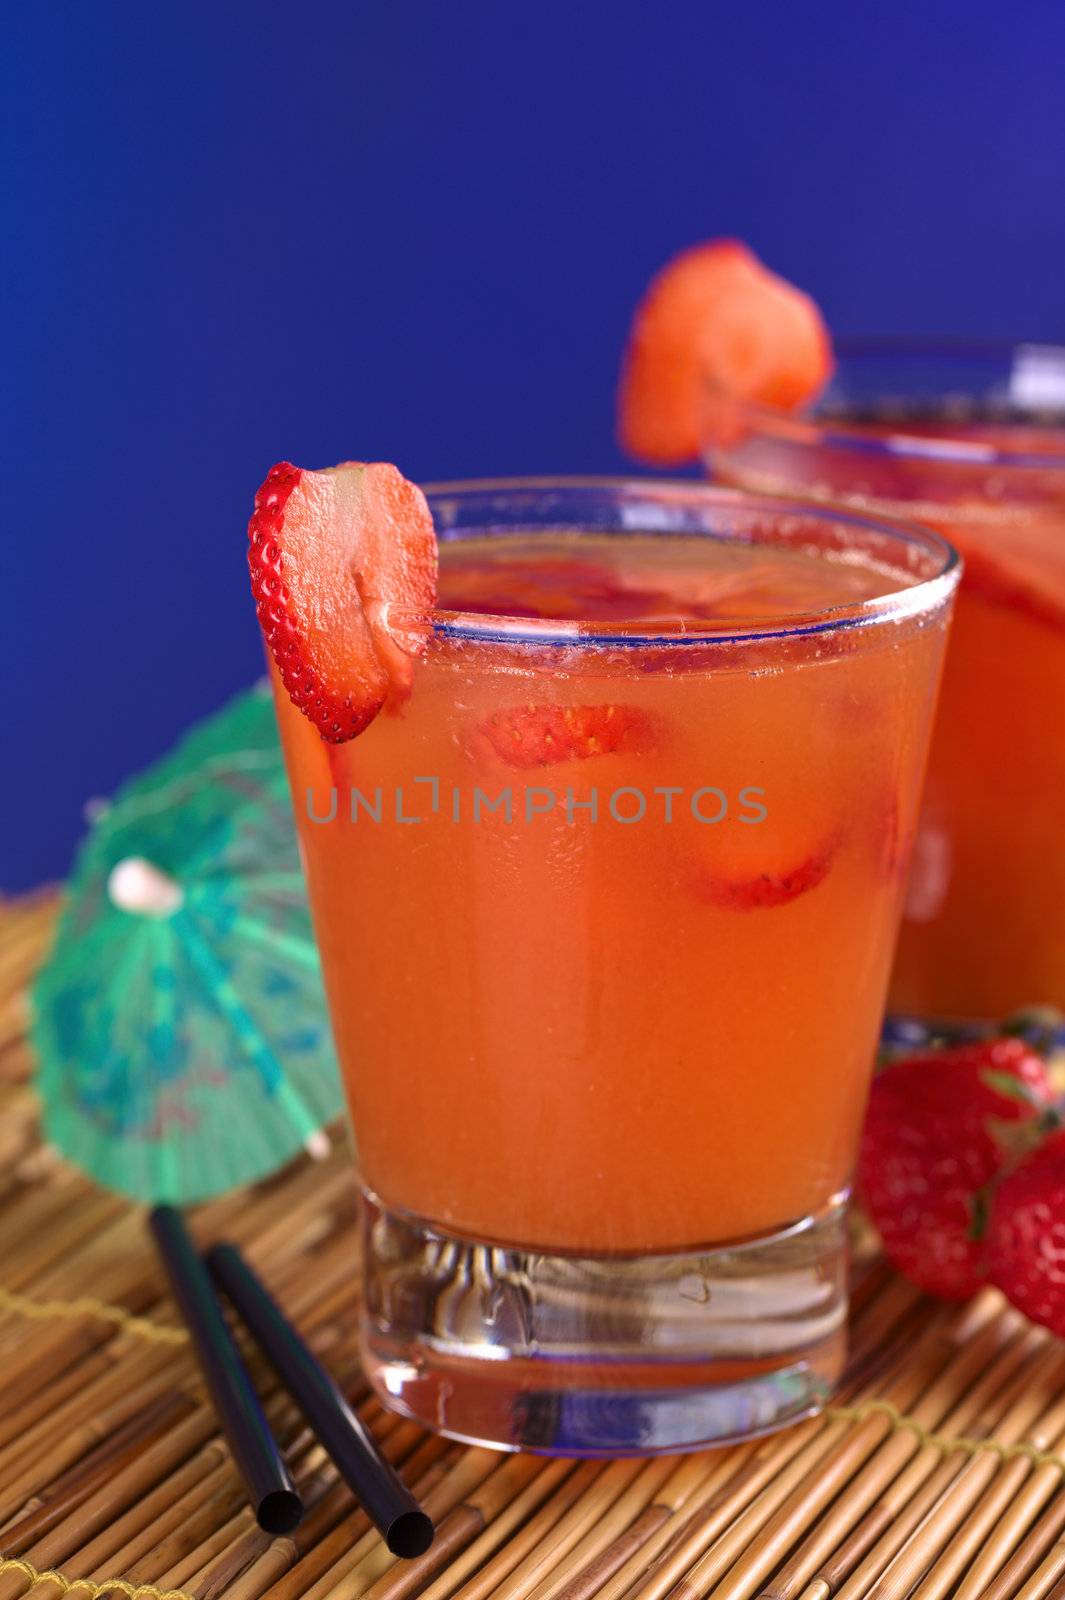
928	1539
861	1507
766	1530
609	1526
69	1388
90	1515
875	1322
663	1556
53	1233
1047	1579
72	1488
27	939
538	1529
1029	1553
111	1283
1004	1485
594	1503
85	1433
104	1397
783	1466
230	1562
14	1022
205	1491
625	1546
308	1189
873	1544
1008	1535
205	1535
19	911
38	1209
500	1528
756	1469
18	1132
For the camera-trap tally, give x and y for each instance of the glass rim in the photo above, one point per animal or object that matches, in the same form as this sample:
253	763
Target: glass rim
896	604
876	439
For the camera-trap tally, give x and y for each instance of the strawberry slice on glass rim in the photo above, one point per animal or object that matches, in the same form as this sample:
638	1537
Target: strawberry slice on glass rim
715	320
339	561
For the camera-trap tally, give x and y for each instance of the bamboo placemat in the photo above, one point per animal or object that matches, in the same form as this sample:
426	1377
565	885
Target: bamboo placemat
937	1472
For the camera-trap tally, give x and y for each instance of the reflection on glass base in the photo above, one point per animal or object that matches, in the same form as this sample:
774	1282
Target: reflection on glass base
591	1356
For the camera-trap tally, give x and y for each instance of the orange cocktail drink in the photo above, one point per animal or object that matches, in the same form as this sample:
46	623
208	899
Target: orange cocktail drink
606	905
966	442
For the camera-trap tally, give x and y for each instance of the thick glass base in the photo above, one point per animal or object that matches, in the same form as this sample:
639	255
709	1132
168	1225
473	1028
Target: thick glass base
595	1356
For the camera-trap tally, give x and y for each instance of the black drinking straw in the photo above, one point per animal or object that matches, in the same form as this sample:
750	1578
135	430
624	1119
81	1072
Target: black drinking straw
385	1498
278	1508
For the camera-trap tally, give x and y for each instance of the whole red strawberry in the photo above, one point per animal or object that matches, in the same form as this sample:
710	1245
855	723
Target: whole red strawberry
929	1149
1026	1234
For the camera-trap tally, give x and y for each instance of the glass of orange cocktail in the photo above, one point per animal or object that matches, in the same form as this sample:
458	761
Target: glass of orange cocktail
970	441
606	905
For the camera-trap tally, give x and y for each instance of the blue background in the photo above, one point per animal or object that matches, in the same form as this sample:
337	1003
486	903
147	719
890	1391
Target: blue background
417	232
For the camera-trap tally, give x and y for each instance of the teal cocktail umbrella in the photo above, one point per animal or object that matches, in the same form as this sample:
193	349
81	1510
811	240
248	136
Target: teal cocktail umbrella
180	1026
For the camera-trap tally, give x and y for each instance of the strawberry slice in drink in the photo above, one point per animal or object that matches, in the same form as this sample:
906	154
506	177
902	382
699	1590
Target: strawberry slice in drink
337	558
554	585
715	320
749	875
534	735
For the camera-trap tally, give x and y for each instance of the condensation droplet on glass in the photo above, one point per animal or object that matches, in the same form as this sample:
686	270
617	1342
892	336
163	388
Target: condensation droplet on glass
693	1286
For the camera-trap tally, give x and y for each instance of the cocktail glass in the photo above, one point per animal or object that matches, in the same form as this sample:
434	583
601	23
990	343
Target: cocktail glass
606	909
969	440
